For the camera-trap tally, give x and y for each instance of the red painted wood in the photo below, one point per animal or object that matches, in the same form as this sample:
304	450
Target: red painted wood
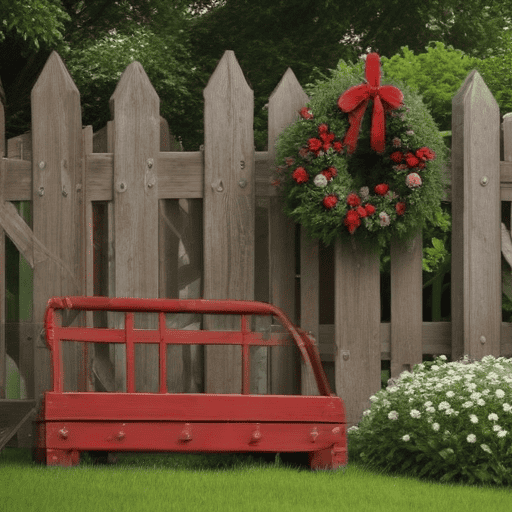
192	406
72	422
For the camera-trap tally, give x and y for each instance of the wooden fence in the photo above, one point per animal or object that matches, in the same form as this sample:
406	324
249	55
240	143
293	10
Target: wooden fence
118	213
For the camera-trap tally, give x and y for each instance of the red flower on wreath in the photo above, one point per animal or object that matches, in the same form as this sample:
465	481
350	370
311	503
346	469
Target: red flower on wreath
362	211
353	200
396	156
412	160
425	154
314	145
300	175
352	221
382	189
337	146
330	173
330	201
323	128
400	208
305	113
370	209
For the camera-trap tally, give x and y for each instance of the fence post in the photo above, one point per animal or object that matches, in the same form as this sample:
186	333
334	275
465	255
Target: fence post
476	216
135	107
229	211
58	203
356	327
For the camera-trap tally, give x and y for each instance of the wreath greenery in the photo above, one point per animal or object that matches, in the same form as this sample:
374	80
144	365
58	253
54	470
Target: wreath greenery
335	188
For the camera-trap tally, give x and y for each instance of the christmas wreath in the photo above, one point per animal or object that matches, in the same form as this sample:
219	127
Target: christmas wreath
366	164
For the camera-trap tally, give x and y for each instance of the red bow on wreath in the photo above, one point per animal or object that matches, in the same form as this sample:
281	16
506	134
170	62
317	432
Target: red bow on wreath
355	100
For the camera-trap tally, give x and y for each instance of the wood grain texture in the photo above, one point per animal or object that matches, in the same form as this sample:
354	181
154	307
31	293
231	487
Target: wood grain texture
284	104
309	303
229	209
58	216
476	215
3	361
136	144
406	304
357	327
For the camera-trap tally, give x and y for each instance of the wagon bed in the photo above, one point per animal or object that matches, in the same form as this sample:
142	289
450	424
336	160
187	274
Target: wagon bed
72	422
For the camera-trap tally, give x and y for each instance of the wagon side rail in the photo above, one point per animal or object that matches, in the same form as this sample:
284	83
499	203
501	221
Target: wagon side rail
164	336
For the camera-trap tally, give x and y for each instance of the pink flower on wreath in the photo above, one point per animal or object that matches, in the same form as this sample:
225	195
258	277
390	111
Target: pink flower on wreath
413	180
289	161
300	175
396	142
303	152
384	219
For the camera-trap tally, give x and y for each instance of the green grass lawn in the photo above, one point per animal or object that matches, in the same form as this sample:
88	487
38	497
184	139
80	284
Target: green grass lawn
188	482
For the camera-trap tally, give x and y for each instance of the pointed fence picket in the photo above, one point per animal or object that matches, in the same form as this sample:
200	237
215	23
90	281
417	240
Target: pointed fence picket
118	212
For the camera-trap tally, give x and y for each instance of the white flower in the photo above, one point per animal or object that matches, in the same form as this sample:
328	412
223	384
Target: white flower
492	417
393	415
364	192
475	395
485	448
435	426
449	394
384	219
443	405
367	412
434	367
496	428
409	132
373	398
428	403
473	418
443	357
491	376
485	392
502	433
450	411
406	437
471	438
500	393
415	413
431	409
507	407
467	404
352	429
320	180
480	401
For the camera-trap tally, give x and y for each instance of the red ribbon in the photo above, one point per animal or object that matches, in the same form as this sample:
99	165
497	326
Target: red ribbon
355	100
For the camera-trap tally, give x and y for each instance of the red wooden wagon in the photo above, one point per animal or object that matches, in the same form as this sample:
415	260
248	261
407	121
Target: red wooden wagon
72	422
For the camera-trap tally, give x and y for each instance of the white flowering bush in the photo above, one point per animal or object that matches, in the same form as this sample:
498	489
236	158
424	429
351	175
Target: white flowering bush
445	421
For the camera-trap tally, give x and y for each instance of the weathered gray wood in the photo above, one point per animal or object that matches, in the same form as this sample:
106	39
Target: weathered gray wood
228	209
283	107
357	327
3	360
476	215
309	303
406	305
13	415
58	216
136	144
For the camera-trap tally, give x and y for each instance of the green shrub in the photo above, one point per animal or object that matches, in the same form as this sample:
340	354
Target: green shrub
444	421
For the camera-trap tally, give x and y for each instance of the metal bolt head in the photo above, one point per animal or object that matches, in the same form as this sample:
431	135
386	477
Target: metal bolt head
64	192
63	432
484	180
121	186
42	164
242	183
150	162
482	339
41	191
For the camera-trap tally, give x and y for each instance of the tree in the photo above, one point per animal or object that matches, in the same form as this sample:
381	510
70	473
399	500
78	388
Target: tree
436	74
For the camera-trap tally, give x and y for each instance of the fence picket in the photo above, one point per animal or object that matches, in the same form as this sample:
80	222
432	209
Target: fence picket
476	215
58	216
283	106
136	143
406	305
357	327
229	210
